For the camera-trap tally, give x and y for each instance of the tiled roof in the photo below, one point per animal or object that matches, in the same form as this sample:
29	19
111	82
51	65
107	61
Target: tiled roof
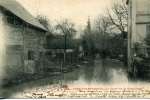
17	9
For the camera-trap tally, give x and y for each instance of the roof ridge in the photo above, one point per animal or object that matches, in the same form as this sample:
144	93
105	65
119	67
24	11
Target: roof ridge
17	9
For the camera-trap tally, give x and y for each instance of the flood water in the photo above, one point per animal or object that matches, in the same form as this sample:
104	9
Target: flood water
99	71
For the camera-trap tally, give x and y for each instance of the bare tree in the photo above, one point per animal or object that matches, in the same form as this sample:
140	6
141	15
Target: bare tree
66	28
118	15
102	24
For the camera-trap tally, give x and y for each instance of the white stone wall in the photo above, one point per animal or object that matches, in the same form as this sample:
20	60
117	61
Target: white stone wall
140	32
142	18
33	42
2	47
15	42
14	34
14	59
140	11
143	6
132	20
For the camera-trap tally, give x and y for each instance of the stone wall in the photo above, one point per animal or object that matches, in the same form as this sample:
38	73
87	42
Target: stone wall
2	47
139	20
33	43
22	41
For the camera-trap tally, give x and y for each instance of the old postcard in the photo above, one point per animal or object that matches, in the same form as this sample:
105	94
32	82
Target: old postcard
74	49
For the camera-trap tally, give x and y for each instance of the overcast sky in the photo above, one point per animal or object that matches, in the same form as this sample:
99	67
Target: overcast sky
75	10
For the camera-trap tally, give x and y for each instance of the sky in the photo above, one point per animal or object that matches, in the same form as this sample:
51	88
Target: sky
75	10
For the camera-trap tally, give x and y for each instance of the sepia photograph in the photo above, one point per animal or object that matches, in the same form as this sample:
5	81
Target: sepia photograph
74	49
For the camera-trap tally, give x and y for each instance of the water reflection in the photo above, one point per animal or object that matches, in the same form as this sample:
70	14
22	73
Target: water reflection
88	71
102	71
99	71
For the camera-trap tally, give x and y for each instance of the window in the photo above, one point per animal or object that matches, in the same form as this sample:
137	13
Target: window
17	21
30	55
10	19
14	20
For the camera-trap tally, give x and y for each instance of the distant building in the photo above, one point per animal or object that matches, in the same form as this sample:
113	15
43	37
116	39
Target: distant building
24	38
56	47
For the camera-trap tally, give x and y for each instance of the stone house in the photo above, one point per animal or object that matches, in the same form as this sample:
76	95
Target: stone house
138	24
139	36
23	39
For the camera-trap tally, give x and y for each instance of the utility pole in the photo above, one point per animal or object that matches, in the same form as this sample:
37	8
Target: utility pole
65	47
64	59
